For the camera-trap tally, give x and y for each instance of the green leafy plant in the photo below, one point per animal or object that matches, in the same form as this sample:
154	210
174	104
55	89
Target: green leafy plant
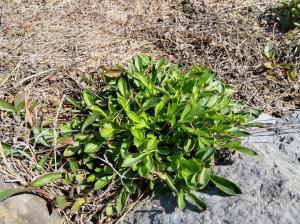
154	125
150	128
16	107
287	14
271	66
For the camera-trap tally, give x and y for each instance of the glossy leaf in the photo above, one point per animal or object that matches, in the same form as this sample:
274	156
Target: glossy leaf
269	51
197	202
121	202
171	183
98	110
102	182
77	205
19	102
6	148
6	193
132	159
109	211
90	120
208	154
236	145
46	179
6	106
88	98
181	200
225	185
73	102
73	165
60	201
133	116
93	147
122	87
204	177
107	131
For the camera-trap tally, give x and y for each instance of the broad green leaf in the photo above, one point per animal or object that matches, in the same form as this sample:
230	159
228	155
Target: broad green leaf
77	204
109	211
73	165
236	145
121	202
66	127
132	159
123	103
42	162
269	51
19	102
208	154
6	148
90	120
152	144
138	63
225	185
73	102
197	202
60	201
203	177
88	98
171	183
107	131
71	150
187	109
292	75
39	136
146	167
139	134
160	105
151	102
160	63
122	86
146	60
93	147
212	101
133	116
6	106
181	200
46	179
102	182
97	109
6	193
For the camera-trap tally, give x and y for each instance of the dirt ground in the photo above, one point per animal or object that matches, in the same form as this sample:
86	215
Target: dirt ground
47	45
40	41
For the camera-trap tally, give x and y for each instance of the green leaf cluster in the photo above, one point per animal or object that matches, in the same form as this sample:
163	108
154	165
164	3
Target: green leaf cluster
271	66
153	126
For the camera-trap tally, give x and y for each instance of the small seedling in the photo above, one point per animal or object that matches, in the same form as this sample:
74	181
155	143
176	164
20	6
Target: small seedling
271	65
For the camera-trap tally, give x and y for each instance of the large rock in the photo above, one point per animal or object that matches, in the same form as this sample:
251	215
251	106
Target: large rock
25	209
270	183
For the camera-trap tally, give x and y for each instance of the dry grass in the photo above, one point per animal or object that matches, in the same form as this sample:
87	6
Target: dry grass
45	47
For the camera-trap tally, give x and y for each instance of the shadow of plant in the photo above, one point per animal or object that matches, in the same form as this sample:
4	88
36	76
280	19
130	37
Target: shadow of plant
282	18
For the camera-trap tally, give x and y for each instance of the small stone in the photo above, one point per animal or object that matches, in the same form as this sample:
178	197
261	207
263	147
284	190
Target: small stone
25	209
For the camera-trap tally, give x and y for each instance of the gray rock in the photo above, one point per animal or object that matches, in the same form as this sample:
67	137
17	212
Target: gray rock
25	209
270	183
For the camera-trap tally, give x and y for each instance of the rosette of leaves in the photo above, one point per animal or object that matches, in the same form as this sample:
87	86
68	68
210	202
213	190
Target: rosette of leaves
155	126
